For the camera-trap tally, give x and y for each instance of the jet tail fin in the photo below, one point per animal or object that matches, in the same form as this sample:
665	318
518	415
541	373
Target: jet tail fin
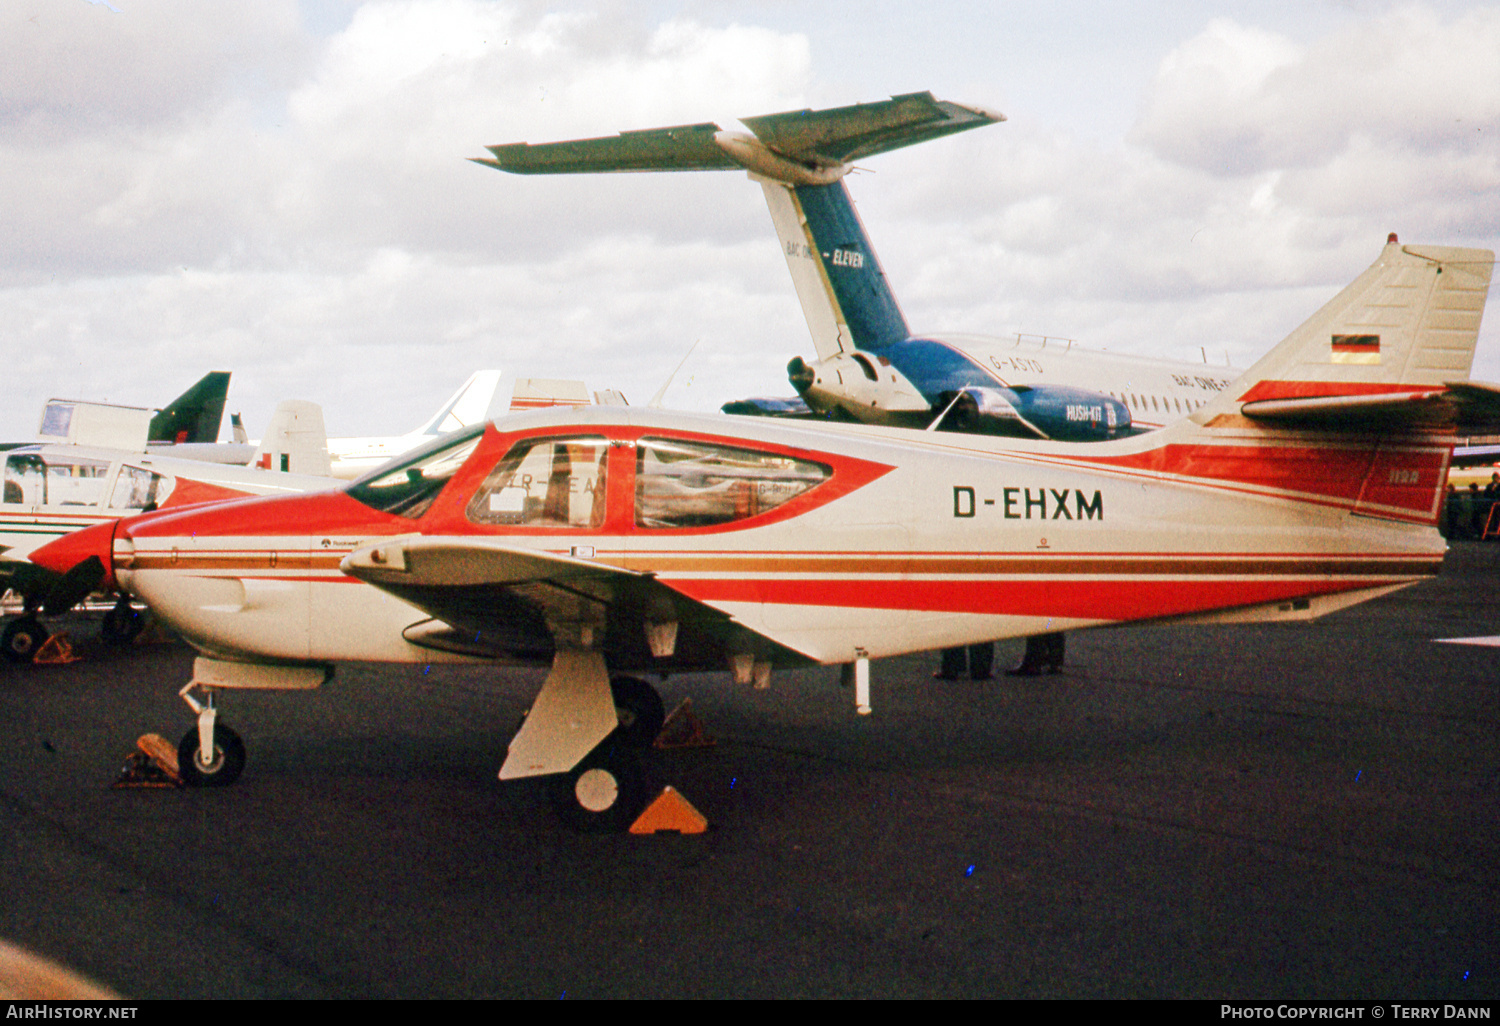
1357	408
799	157
471	404
296	440
195	415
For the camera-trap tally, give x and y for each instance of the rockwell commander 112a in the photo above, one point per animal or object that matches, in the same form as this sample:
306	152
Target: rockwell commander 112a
607	541
870	367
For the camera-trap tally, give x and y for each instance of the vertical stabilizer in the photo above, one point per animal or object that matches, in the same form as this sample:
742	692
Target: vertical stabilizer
296	440
842	288
471	404
1407	324
195	415
1354	409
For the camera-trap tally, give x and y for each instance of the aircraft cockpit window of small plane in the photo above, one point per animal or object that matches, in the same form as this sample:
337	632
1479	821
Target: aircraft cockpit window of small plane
546	482
409	487
695	484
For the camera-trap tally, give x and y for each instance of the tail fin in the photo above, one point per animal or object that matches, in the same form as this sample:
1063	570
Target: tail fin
843	291
195	415
800	158
296	440
1356	408
471	404
1405	328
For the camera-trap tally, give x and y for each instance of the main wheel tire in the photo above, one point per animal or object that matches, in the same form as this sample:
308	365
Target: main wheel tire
604	793
224	769
640	711
22	637
121	624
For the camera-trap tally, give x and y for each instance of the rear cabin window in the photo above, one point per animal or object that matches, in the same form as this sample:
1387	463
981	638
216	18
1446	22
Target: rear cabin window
696	484
546	482
50	480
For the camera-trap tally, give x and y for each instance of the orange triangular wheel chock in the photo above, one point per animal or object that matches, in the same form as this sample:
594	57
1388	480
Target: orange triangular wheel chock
683	729
55	651
152	764
670	811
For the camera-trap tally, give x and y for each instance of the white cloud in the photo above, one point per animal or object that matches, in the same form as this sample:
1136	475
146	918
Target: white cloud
203	187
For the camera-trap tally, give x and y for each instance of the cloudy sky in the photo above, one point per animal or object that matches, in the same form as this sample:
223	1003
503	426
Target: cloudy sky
279	189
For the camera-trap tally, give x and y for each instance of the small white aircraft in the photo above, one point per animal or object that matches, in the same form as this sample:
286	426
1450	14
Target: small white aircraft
615	540
54	489
870	367
477	400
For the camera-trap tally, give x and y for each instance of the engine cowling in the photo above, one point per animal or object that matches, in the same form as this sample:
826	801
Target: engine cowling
1055	412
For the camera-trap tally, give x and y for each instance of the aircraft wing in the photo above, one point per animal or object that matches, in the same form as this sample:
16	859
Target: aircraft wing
498	591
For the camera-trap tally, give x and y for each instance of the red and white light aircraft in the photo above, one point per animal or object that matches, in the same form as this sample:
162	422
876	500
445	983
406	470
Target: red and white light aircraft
606	540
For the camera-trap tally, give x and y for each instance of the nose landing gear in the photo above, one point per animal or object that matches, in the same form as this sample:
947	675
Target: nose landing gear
210	755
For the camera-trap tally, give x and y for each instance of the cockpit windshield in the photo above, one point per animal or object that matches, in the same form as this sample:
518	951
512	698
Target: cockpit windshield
408	485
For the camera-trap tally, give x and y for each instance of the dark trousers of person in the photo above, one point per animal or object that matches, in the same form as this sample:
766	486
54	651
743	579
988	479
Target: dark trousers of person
978	660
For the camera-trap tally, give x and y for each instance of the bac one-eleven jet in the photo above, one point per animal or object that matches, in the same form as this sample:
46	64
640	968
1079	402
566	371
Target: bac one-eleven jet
607	541
870	367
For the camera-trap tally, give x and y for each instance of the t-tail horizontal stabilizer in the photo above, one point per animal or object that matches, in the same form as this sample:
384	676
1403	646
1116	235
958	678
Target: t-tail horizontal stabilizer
799	157
800	147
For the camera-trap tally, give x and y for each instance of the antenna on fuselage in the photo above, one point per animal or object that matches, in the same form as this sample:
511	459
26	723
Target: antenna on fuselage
655	403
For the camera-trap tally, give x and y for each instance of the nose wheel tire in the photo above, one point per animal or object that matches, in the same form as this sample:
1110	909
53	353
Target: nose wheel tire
640	710
21	639
221	769
604	793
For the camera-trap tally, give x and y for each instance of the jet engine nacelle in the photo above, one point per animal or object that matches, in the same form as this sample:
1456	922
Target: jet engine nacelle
863	386
1036	411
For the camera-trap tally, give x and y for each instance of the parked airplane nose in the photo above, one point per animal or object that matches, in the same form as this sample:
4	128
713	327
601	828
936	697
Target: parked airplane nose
68	551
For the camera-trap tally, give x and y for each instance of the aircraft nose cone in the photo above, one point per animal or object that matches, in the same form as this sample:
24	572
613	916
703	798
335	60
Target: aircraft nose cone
66	552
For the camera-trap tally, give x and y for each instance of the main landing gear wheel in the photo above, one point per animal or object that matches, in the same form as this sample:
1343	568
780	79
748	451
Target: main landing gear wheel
605	792
22	637
640	710
121	624
222	769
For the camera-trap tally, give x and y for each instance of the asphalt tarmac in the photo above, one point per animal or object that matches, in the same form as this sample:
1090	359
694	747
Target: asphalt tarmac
1257	812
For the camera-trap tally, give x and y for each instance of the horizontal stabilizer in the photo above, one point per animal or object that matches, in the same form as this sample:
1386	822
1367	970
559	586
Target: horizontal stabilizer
843	135
684	148
1470	407
799	147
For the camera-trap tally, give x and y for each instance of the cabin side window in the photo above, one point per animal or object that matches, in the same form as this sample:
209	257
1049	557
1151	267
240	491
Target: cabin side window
546	482
696	484
140	489
40	480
